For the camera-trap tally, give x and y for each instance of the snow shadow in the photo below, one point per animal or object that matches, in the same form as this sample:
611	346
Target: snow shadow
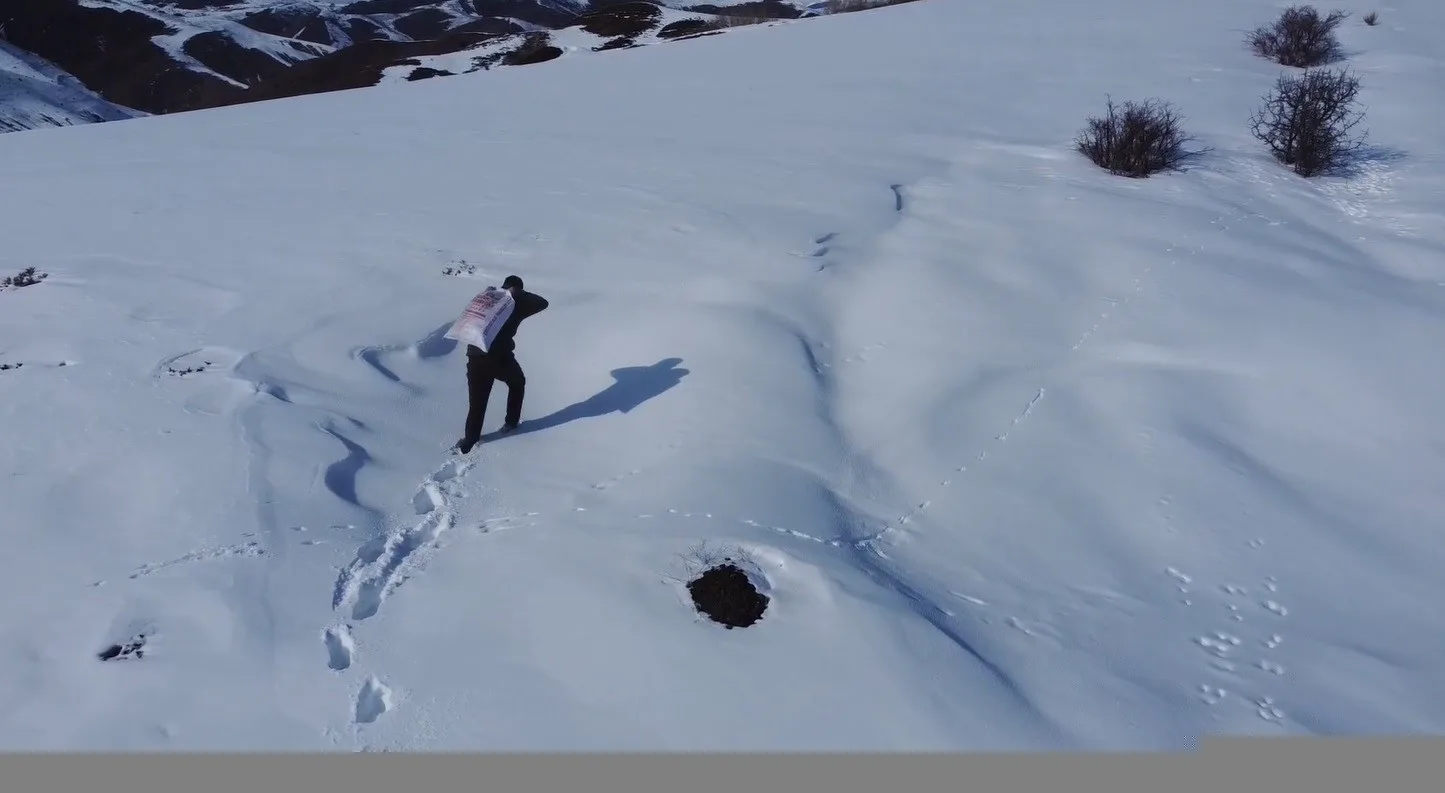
436	344
634	385
340	477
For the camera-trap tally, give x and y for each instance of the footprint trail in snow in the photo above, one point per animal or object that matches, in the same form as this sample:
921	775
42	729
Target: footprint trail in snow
380	564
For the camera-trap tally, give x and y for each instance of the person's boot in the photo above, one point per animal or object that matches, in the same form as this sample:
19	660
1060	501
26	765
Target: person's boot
465	445
509	426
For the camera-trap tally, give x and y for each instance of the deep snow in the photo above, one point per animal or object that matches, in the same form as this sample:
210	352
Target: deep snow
1027	455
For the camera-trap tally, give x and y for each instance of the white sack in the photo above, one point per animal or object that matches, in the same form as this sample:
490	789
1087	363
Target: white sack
483	318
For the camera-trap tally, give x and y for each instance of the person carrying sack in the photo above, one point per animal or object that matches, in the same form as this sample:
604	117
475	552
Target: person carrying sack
498	362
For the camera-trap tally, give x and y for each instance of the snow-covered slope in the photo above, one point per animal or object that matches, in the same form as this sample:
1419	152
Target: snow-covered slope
1026	455
35	95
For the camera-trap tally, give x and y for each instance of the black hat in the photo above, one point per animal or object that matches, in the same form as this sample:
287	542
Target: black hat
511	281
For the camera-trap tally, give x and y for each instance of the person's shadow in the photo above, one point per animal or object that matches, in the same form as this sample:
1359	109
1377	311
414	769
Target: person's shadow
634	385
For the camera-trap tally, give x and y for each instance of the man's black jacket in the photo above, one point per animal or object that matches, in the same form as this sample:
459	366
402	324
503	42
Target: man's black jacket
527	304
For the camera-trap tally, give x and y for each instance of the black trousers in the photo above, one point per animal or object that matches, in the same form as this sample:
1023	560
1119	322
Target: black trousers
482	371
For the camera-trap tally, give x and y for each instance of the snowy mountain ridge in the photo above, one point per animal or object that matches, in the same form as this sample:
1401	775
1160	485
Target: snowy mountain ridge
165	56
36	95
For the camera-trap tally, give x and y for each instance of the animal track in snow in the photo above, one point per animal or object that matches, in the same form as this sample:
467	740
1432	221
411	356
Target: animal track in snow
251	548
374	700
821	248
1183	579
339	648
504	523
1211	695
1254	676
611	482
1219	643
1268	710
873	541
861	355
747	522
1271	667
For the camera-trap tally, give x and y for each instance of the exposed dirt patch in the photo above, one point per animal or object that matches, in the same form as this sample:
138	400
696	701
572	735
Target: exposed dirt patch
623	19
427	23
682	27
357	66
243	64
619	43
385	6
490	25
762	9
364	30
306	24
135	648
726	595
525	10
426	73
532	52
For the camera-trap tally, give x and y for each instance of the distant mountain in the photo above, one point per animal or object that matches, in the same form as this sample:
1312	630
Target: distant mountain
35	94
167	56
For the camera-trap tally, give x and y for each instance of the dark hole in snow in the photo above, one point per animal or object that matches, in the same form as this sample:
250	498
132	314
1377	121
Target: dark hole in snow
726	595
135	648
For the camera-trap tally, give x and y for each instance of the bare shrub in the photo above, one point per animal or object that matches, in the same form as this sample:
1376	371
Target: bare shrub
1135	140
1372	19
26	277
1308	121
1300	38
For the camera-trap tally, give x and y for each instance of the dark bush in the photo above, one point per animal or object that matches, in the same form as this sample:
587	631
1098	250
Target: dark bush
426	73
619	43
526	55
1308	120
1300	38
1372	19
682	27
26	277
623	19
1137	140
